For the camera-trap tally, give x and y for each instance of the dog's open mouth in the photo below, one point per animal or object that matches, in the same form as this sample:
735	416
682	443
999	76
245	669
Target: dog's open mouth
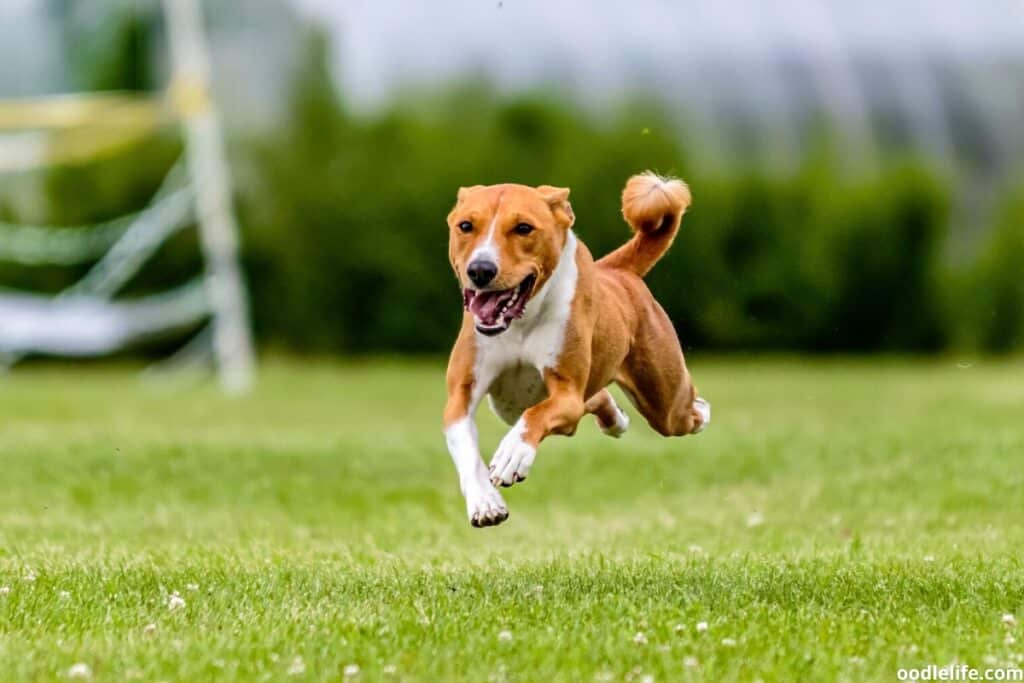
494	310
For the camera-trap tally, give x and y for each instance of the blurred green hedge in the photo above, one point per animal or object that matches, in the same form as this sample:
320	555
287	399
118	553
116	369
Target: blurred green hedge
345	242
988	299
346	239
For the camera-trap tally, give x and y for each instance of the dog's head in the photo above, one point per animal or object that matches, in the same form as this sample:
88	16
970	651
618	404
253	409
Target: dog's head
505	241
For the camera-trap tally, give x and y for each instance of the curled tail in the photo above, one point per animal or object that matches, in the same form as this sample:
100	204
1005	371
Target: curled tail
653	206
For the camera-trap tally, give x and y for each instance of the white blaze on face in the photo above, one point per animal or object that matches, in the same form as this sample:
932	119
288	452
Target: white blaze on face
487	251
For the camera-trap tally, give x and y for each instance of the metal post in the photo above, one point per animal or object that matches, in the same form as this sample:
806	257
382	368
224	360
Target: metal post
190	89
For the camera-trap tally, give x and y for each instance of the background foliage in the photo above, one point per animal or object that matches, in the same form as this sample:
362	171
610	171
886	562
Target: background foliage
345	240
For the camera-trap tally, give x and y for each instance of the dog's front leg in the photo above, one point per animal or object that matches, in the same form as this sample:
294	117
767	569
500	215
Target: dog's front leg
559	413
484	505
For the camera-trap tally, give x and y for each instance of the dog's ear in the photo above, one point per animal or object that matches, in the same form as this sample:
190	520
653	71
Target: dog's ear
466	191
558	199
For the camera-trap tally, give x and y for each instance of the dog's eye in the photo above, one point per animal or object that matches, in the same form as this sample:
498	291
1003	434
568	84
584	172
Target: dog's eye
466	226
523	229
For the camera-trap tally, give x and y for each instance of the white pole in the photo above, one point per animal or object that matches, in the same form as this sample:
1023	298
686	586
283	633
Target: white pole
190	89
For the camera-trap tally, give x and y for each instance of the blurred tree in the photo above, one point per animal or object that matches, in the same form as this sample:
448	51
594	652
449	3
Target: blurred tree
994	300
109	47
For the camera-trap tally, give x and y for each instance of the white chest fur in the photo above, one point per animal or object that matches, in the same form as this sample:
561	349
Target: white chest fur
511	365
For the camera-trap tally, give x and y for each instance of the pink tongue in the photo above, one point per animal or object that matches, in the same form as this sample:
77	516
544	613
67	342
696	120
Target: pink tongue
485	305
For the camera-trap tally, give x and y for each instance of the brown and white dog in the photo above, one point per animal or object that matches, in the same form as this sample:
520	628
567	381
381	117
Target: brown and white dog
547	328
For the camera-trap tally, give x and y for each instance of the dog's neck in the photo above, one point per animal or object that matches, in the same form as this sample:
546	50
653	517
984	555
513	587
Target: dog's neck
557	292
536	338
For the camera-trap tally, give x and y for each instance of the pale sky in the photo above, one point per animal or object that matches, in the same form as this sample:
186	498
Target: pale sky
937	67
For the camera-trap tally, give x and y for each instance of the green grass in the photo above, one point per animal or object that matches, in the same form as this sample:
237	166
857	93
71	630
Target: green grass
839	519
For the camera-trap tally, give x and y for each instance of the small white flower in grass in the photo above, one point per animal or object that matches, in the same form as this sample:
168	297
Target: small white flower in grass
4	590
64	595
390	669
679	628
192	587
1009	621
80	670
149	629
728	642
1009	639
929	558
755	519
702	626
297	667
640	638
351	671
175	601
695	549
690	662
647	678
505	636
30	576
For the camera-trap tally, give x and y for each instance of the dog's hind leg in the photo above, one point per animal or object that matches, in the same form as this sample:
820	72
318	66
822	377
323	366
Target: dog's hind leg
654	374
612	420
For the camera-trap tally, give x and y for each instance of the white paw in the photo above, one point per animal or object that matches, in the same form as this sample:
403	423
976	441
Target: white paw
619	427
704	408
513	459
484	505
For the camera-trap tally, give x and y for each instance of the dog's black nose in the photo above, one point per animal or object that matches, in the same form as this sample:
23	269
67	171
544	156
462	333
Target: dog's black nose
481	272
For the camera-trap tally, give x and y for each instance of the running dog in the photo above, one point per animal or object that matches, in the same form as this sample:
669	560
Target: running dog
547	328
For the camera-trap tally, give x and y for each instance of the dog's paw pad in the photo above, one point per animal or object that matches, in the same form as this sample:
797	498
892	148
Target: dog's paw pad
703	408
486	507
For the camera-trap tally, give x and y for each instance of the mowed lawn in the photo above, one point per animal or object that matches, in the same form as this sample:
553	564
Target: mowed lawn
840	519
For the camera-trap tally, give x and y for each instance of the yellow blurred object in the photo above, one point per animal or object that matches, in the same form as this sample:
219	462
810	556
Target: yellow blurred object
81	109
77	127
189	96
